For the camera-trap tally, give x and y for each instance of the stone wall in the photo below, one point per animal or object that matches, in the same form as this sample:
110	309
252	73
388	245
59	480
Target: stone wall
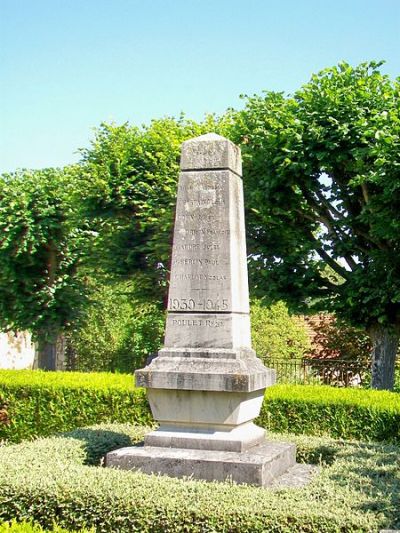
16	350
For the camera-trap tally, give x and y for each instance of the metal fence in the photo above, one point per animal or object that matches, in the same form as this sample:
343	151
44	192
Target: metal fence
336	372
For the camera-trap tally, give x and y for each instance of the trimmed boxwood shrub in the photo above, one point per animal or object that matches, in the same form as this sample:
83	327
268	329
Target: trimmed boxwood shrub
28	527
50	480
366	415
43	403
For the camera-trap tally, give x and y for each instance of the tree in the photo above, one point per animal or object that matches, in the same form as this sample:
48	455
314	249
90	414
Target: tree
275	334
322	181
131	176
117	332
42	240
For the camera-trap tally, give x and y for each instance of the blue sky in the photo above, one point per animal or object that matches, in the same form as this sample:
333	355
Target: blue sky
67	65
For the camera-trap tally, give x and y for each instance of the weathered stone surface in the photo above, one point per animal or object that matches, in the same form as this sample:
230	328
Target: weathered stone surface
207	437
208	267
206	386
17	350
208	301
211	151
259	465
203	330
207	378
191	373
204	408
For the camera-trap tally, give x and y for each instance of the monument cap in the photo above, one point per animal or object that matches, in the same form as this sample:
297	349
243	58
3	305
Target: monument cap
211	151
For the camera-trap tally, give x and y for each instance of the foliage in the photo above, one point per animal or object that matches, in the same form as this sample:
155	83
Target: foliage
131	175
29	527
341	413
48	480
42	240
275	333
4	419
336	338
323	177
118	332
44	403
323	186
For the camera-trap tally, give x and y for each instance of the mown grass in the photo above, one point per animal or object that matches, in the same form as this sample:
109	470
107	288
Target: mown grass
59	480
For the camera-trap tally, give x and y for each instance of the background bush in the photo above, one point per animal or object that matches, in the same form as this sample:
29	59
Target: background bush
49	479
119	330
336	338
275	333
43	403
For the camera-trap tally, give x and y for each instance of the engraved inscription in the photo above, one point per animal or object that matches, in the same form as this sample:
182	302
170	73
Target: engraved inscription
208	322
199	277
195	261
198	304
201	273
197	246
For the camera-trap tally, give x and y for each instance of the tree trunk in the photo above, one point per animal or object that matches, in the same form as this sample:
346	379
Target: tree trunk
51	351
71	357
47	341
385	341
47	353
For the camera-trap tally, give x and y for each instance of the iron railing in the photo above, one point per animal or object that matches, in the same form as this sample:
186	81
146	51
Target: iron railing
337	372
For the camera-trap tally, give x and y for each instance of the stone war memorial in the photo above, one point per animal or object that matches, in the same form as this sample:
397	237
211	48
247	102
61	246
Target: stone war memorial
206	385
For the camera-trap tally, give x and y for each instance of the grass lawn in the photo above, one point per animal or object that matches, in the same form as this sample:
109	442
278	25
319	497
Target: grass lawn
60	479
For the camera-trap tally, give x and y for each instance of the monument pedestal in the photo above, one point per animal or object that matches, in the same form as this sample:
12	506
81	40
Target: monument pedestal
207	386
229	439
259	465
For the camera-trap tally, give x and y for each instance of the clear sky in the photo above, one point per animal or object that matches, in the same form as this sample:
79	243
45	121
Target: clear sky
67	65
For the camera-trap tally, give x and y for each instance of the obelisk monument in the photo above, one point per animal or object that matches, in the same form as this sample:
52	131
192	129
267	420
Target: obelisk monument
206	385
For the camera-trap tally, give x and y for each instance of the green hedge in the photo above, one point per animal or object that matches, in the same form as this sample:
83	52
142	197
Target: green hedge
56	480
28	527
349	413
34	403
43	403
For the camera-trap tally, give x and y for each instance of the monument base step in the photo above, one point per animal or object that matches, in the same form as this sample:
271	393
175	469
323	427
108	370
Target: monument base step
260	465
238	439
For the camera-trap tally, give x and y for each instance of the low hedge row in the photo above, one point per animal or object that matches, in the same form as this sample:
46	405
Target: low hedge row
34	403
29	527
57	480
350	413
39	403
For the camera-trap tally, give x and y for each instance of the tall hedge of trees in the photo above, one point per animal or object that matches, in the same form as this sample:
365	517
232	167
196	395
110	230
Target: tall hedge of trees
322	192
322	176
43	239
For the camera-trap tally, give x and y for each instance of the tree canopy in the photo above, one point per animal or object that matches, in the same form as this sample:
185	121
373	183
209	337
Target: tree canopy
129	176
322	177
42	240
322	193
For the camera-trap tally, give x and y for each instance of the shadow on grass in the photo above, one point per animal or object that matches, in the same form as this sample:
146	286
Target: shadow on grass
98	442
376	470
320	455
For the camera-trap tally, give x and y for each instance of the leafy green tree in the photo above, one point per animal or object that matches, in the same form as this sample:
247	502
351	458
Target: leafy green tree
118	332
322	180
275	334
130	177
42	240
